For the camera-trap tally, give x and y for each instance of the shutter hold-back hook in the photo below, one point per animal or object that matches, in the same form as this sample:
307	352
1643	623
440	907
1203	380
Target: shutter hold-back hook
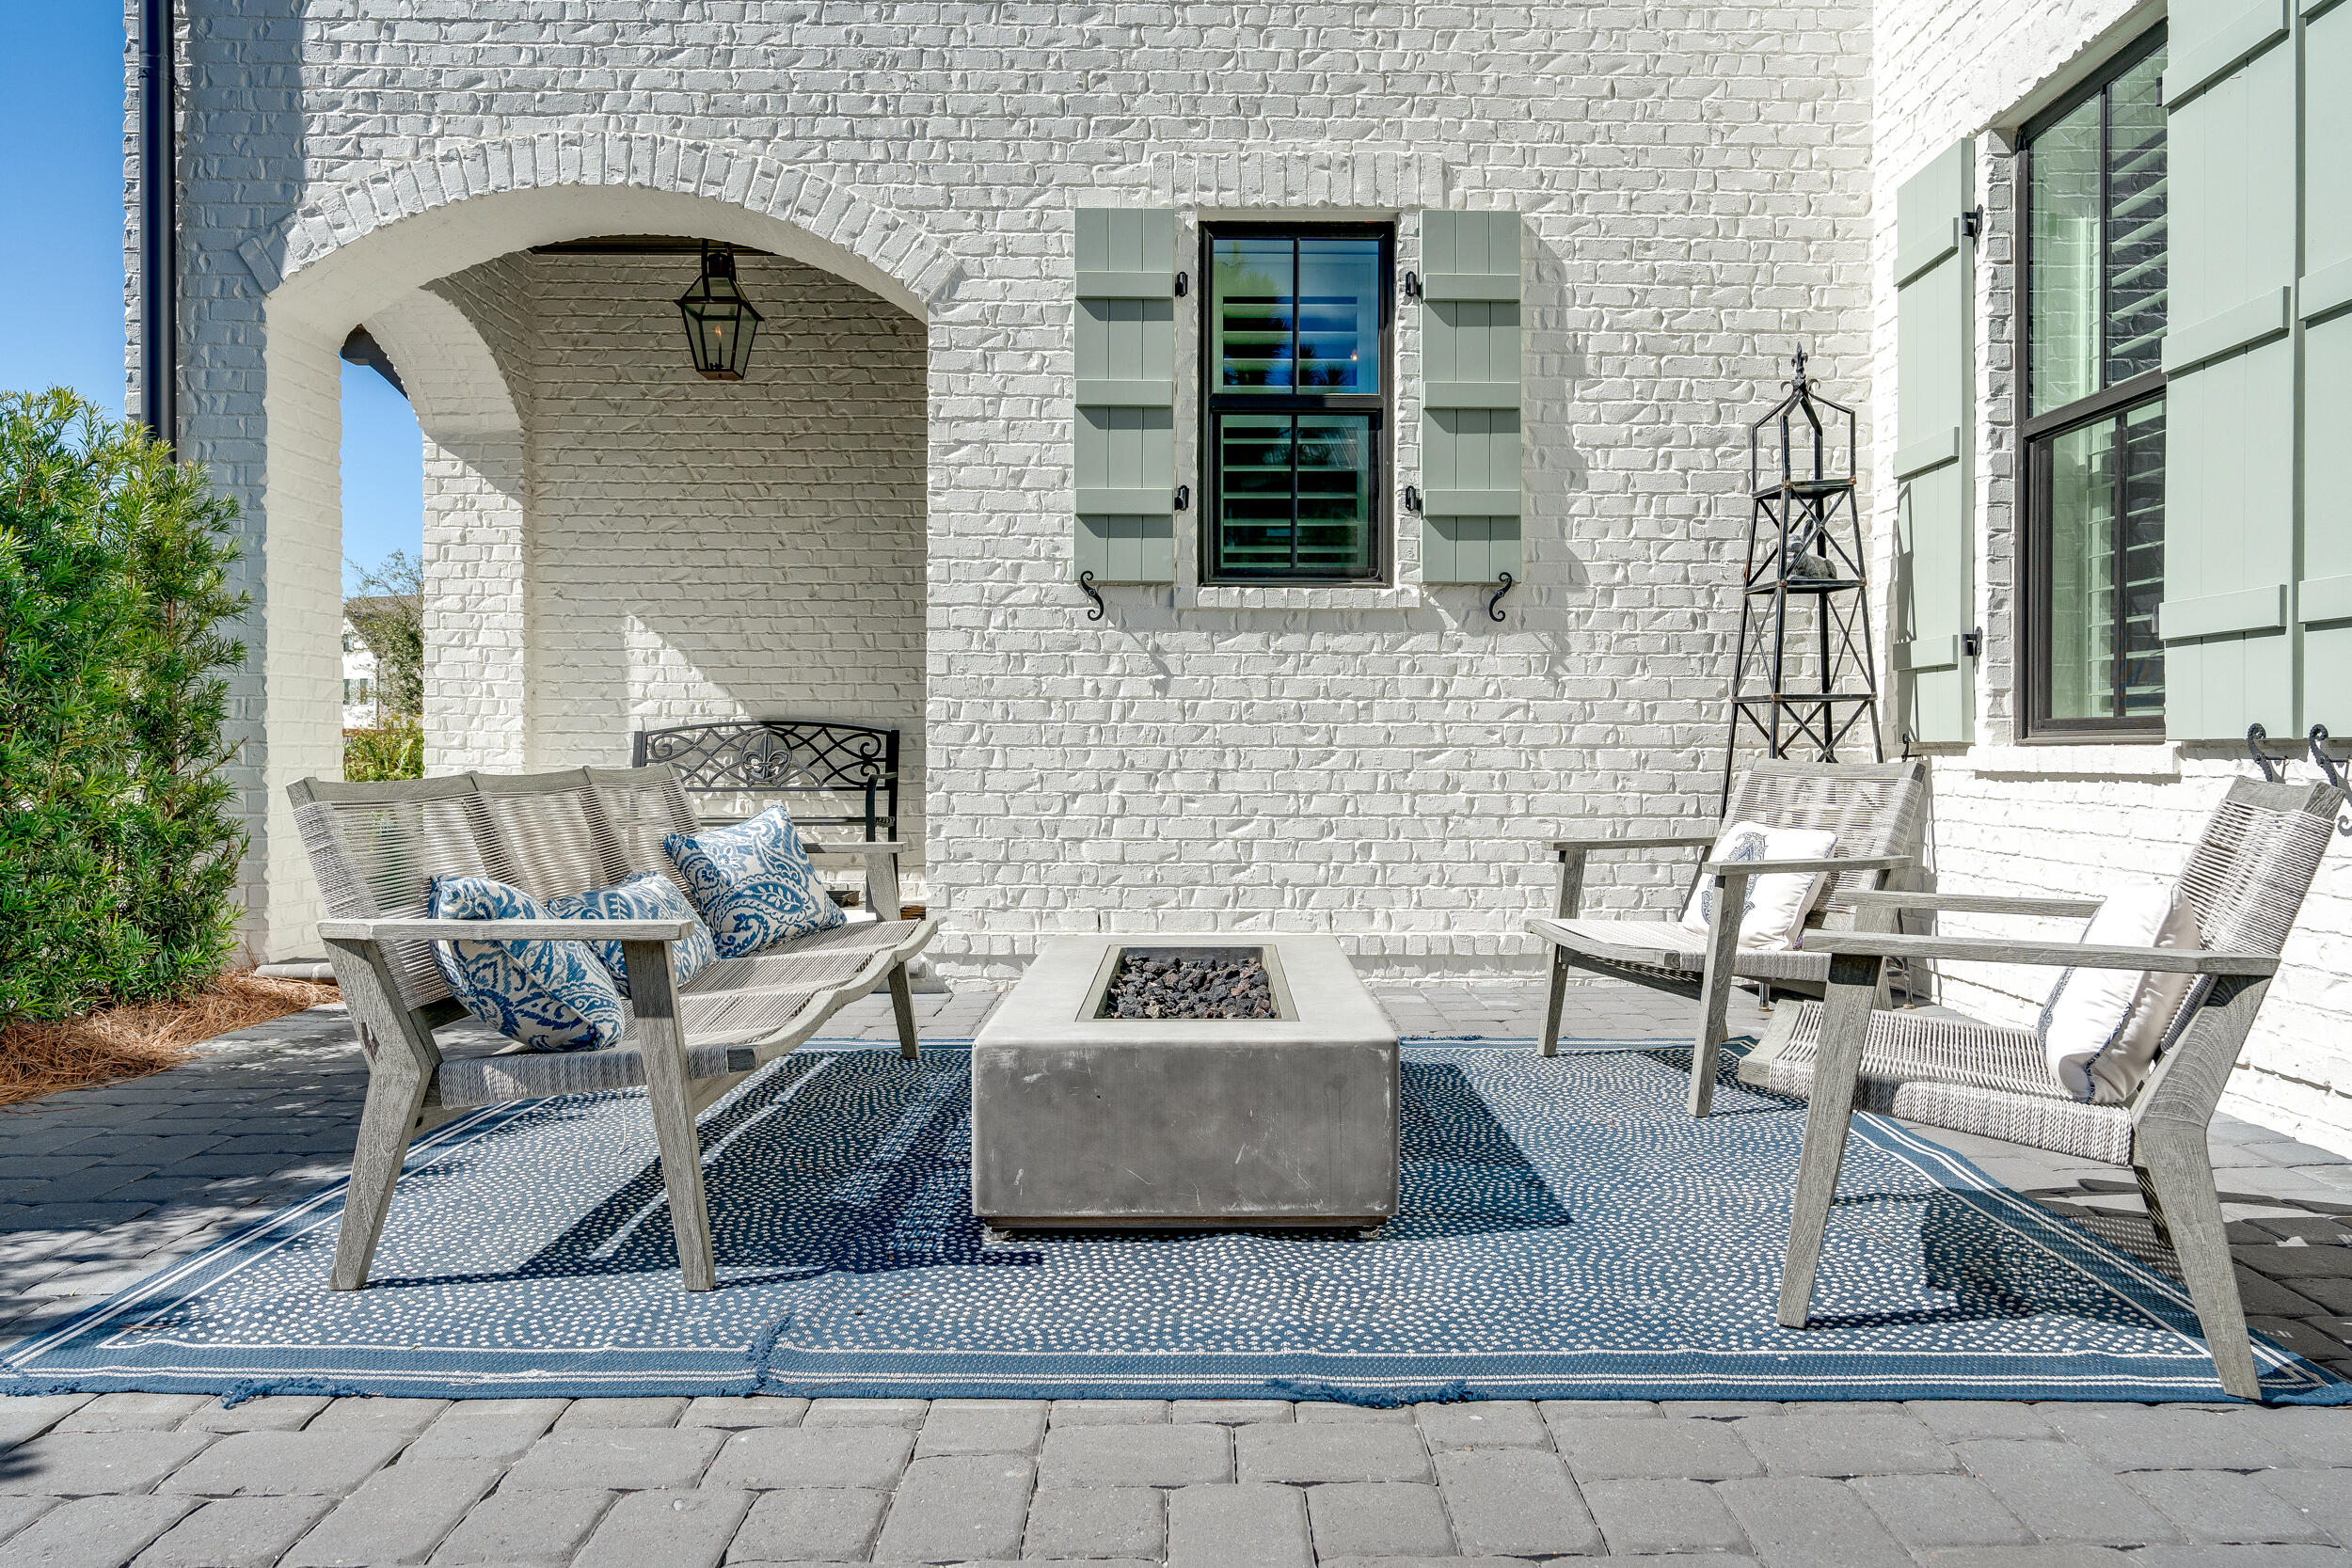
1086	585
2273	764
1493	611
2336	775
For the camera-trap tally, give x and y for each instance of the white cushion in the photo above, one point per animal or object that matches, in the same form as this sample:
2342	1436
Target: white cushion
1773	920
2102	1028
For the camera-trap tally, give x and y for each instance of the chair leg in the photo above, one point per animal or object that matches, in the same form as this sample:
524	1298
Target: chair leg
2180	1168
386	1122
1556	1002
2155	1200
653	989
1707	1047
1723	948
902	1004
1853	983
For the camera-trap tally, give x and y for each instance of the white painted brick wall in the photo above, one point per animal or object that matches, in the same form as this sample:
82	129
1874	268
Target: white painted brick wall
1387	768
1705	185
723	549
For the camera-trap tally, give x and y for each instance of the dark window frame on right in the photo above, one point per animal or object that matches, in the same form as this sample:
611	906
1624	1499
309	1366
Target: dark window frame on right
2116	419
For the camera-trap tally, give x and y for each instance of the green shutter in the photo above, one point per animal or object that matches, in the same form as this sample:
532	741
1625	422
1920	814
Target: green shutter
2229	363
2324	304
1935	603
1123	424
1470	452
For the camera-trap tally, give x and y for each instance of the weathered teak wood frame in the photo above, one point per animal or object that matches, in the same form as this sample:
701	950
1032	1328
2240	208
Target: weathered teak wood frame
2170	1114
403	1098
1668	965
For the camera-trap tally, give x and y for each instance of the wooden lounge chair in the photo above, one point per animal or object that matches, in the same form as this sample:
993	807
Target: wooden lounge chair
1877	810
2246	878
376	849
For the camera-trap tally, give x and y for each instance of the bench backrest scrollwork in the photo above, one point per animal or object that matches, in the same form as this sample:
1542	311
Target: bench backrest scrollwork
755	758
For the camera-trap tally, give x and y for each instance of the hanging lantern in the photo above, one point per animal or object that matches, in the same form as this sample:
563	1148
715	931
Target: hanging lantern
719	319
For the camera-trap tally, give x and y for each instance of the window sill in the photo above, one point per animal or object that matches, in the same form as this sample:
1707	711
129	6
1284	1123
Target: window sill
1304	596
2155	759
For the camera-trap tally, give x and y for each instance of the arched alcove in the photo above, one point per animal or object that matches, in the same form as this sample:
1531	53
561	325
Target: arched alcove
524	595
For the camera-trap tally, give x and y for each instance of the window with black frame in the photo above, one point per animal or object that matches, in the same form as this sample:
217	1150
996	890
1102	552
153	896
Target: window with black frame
1294	403
2093	251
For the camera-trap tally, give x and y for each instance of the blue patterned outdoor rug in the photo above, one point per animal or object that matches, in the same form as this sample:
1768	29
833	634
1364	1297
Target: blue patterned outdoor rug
1568	1232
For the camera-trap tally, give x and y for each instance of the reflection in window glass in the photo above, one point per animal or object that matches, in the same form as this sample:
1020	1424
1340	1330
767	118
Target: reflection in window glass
1295	494
1254	492
1253	315
2065	202
2105	498
1339	315
1297	316
2082	572
2136	272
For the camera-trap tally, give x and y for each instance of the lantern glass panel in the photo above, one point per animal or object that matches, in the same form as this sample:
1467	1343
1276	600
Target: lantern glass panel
720	321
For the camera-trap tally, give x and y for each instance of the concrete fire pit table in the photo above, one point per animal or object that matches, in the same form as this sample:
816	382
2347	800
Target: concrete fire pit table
1083	1121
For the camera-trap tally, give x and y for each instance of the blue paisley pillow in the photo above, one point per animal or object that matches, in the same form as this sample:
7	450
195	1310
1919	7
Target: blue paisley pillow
647	895
549	995
753	883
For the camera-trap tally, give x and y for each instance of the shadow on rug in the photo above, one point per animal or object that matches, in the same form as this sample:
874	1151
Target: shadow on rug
1568	1232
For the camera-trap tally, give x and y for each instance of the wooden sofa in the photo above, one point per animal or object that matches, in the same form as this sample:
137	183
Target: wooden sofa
376	849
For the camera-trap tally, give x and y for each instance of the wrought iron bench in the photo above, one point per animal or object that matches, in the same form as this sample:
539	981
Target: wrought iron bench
376	849
763	757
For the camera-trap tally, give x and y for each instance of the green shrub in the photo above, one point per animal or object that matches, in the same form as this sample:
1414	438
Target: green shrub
392	750
117	851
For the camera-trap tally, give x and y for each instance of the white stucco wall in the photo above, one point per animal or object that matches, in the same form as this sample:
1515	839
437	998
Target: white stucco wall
2074	818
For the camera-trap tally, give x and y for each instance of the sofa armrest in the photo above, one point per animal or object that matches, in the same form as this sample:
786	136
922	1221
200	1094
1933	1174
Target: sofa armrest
881	858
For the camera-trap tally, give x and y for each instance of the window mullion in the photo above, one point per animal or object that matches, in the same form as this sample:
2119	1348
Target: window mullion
2101	262
1297	310
2118	556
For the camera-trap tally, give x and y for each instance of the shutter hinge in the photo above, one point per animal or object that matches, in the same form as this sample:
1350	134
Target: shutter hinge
1182	497
1972	642
1182	279
1412	499
1971	224
1412	285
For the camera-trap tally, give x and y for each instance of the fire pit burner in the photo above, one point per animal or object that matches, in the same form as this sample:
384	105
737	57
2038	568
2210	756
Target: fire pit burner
1189	983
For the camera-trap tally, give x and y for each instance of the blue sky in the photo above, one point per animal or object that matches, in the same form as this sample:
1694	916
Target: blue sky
61	319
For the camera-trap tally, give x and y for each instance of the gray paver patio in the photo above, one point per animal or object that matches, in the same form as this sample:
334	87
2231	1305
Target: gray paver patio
104	1185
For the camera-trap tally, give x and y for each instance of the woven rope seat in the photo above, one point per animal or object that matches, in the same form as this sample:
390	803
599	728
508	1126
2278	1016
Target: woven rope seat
1949	1072
1671	950
377	849
727	1008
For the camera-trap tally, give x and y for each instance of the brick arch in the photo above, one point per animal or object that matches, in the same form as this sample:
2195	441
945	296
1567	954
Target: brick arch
365	253
442	213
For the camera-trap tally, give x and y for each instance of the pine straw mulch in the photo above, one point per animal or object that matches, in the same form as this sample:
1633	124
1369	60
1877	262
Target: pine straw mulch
116	1043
